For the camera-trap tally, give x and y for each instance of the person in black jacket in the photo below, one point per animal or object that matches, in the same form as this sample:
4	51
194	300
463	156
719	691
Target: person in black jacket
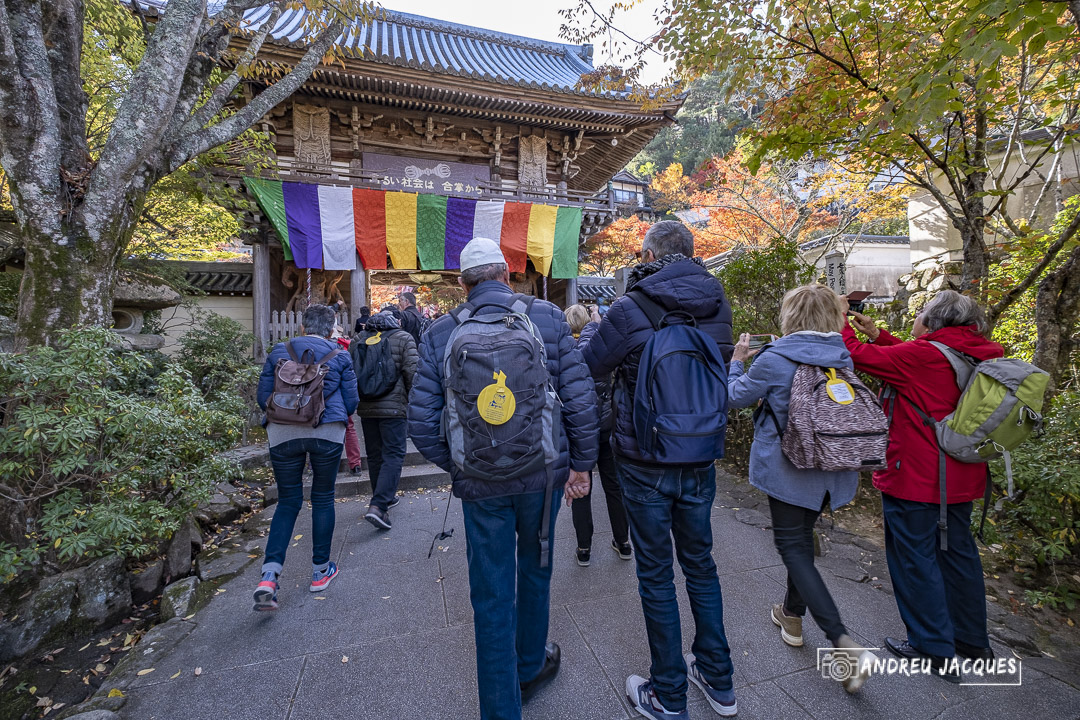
584	326
411	319
663	501
508	580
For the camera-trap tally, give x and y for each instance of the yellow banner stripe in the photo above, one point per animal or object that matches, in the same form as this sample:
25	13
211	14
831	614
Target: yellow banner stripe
540	244
401	229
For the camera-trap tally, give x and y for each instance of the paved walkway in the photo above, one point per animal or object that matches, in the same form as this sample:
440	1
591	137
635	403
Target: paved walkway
392	638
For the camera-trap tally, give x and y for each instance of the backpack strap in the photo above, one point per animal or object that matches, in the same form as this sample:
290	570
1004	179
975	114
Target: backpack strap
652	310
963	365
328	356
545	520
292	352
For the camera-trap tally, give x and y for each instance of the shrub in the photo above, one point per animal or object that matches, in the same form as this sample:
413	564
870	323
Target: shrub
755	283
217	354
98	455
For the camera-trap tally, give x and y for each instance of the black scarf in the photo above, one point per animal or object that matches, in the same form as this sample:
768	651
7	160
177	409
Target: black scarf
644	270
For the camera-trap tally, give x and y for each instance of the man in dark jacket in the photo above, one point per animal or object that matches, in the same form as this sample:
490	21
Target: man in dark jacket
411	319
508	579
668	500
383	419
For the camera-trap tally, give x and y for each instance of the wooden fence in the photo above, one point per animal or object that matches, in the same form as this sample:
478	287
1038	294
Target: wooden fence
284	325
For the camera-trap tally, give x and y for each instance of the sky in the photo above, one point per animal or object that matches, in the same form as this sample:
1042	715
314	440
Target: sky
539	20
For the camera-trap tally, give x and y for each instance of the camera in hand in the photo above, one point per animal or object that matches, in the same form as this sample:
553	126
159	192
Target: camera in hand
759	341
857	300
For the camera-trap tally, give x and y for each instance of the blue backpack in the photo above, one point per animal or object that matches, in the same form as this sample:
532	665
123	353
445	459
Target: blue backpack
680	402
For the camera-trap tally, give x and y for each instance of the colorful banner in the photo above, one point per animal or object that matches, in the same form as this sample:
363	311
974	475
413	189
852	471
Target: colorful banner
325	226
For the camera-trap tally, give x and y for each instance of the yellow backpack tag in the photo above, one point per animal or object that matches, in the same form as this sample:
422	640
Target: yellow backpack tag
496	403
840	391
374	339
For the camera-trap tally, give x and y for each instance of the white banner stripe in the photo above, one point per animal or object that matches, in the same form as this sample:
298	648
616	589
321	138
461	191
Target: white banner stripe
487	222
338	232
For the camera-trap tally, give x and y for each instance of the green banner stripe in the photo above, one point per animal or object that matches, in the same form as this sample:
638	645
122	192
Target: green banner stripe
431	231
271	199
564	264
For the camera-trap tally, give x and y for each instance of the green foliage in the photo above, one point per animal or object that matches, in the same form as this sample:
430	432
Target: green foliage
1043	522
755	283
707	127
9	293
216	352
101	454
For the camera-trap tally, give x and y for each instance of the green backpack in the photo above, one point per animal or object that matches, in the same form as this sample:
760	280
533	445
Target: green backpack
1001	402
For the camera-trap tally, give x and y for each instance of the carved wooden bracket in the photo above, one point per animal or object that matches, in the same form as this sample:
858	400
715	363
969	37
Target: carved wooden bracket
430	129
496	140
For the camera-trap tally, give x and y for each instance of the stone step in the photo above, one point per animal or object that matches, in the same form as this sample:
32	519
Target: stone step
412	477
412	458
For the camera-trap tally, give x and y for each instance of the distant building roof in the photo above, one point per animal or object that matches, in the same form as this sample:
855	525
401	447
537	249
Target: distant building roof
397	38
219	278
852	238
593	288
629	178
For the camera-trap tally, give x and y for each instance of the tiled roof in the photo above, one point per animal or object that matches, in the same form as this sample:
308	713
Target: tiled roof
221	282
396	38
878	239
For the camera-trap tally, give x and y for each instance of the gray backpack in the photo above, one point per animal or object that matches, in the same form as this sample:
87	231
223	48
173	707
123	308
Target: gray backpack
502	418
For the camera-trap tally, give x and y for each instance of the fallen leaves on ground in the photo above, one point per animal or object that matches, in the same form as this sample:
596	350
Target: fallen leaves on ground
145	671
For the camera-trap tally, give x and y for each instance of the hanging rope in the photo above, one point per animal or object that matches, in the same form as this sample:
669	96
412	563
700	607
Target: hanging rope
309	287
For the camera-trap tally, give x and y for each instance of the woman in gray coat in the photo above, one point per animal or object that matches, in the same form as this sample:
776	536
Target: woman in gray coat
811	318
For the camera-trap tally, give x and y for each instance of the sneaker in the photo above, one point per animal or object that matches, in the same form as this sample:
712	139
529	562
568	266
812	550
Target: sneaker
321	580
266	593
640	694
378	518
790	627
355	470
552	658
584	556
858	663
722	701
941	666
394	502
624	550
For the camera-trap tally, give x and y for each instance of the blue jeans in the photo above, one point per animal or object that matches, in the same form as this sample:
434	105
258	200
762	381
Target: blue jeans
661	503
288	461
941	595
510	595
384	441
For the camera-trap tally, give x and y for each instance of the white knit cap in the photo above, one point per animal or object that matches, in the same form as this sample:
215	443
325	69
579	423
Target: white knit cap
481	251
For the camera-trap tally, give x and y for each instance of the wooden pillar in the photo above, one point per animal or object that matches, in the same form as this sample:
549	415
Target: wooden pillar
571	292
260	296
357	292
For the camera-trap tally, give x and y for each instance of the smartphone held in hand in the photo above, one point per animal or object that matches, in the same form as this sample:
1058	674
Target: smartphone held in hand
759	341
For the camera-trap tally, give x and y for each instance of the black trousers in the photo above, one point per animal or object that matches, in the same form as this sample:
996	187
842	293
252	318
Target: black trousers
793	533
581	509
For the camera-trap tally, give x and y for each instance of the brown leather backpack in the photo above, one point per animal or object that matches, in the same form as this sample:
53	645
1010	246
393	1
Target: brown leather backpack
297	398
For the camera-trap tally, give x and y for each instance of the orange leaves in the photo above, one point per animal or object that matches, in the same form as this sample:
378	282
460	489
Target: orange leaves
613	247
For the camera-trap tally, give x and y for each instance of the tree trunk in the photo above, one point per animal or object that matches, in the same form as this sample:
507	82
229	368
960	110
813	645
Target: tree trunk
1057	312
972	229
67	281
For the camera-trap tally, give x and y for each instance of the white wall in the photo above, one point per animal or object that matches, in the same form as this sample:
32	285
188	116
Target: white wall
872	266
177	320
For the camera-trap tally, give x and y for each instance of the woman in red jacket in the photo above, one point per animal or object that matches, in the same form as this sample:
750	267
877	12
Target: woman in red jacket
940	594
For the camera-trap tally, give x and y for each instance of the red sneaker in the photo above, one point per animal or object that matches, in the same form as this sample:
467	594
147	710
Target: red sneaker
266	594
321	581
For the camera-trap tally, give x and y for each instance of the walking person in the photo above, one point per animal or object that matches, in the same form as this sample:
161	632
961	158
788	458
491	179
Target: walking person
384	347
666	500
503	366
312	366
411	320
352	441
939	591
583	327
811	318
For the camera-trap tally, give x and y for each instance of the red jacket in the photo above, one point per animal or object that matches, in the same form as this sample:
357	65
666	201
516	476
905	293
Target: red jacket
920	372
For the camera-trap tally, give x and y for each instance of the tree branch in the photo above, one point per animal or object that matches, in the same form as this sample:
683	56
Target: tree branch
231	127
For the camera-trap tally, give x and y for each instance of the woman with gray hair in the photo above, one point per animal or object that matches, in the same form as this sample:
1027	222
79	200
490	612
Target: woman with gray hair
292	445
939	592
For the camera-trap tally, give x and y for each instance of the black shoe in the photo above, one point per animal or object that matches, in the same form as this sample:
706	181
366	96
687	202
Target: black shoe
583	556
553	657
394	502
355	470
941	665
378	517
972	652
624	549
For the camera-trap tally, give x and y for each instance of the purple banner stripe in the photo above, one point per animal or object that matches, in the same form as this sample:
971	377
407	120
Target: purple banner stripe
459	229
305	228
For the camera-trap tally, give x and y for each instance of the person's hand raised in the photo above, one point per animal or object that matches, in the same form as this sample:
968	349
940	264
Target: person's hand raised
865	325
742	349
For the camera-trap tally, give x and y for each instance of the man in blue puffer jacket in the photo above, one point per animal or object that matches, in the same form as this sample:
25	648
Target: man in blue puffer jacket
290	447
668	500
509	585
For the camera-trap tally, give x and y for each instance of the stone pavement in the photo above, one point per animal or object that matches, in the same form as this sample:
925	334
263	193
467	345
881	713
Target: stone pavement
392	637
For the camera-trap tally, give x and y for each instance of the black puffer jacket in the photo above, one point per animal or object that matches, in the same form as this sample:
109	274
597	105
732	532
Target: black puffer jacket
569	376
403	349
604	408
617	344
